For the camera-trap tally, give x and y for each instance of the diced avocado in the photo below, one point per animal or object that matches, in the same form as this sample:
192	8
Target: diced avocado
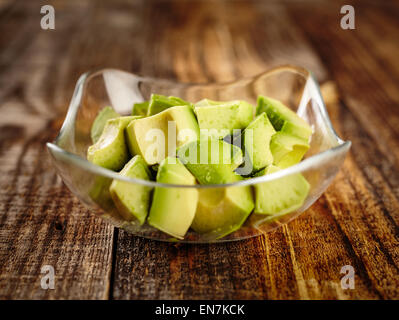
256	142
173	209
287	149
99	122
283	118
99	192
207	102
281	196
132	199
211	161
159	103
140	108
219	120
110	151
221	211
170	129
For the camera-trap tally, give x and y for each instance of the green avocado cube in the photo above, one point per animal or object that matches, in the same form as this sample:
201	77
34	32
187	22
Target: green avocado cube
281	196
159	103
132	199
256	144
221	211
283	118
140	108
208	102
220	120
99	192
110	151
211	161
173	209
158	136
287	149
99	122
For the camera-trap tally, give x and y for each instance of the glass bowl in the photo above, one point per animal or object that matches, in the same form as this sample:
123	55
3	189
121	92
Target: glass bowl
294	86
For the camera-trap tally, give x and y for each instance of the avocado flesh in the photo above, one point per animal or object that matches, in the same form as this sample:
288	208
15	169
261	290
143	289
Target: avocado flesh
149	137
159	103
219	120
283	118
132	199
281	196
221	211
99	192
173	209
207	102
287	149
110	150
99	122
140	108
256	142
211	161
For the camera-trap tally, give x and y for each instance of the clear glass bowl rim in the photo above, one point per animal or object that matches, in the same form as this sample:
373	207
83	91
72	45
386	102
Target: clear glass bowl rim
306	164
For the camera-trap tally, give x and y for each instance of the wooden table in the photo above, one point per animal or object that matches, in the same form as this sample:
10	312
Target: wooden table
354	223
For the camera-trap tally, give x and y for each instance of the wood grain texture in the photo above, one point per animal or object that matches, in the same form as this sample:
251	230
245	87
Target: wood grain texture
354	223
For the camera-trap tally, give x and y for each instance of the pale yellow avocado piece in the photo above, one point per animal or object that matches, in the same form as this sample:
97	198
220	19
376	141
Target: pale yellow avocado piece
281	196
287	149
132	199
110	150
219	120
158	136
207	102
173	209
211	161
256	142
99	122
99	192
221	211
